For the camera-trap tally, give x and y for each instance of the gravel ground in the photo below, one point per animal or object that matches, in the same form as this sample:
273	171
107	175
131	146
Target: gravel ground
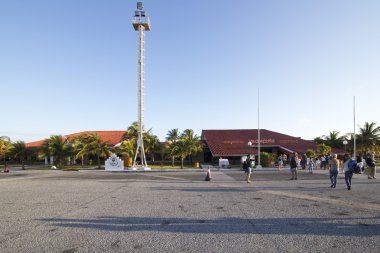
60	211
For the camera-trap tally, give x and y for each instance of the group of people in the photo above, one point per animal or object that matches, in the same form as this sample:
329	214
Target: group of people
282	160
302	161
348	165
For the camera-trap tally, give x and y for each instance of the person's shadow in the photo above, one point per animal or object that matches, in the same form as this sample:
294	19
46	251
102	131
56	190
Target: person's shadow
343	226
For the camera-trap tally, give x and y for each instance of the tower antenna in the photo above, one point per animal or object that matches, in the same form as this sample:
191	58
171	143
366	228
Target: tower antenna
141	23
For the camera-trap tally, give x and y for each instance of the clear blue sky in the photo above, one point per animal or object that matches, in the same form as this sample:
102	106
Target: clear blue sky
70	66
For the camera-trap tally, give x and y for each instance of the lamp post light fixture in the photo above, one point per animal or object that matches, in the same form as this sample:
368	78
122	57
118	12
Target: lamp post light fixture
345	142
250	146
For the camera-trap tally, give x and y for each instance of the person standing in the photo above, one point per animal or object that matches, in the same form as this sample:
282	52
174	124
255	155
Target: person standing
250	163
311	165
303	161
294	161
359	161
323	162
284	159
6	169
280	162
333	169
317	163
370	161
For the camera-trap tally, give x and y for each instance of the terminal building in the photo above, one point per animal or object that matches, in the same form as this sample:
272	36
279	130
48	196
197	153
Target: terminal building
233	144
228	144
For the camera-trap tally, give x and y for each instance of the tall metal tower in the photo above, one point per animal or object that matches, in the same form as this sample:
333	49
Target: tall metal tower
141	23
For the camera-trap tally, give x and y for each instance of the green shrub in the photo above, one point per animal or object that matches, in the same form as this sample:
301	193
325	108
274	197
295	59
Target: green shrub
266	159
311	153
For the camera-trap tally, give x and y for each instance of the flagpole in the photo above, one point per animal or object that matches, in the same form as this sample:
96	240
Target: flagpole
354	130
258	128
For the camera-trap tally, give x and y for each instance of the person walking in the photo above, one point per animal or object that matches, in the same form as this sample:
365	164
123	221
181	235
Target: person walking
294	161
333	169
371	164
348	168
250	163
246	170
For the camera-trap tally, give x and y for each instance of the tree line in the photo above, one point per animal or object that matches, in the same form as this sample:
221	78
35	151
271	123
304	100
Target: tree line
367	140
178	146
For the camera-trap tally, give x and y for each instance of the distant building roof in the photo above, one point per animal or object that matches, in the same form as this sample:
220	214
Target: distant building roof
235	142
110	137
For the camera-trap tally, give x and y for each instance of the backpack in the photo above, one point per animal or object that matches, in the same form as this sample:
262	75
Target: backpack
351	165
245	167
369	161
293	162
357	169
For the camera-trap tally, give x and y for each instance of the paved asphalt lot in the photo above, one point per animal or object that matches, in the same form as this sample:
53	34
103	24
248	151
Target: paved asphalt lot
59	211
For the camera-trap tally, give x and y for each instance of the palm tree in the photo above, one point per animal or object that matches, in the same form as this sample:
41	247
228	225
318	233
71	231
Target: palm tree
151	144
369	137
192	142
319	140
19	152
132	132
127	149
60	148
179	149
43	151
172	136
334	140
5	146
94	146
78	145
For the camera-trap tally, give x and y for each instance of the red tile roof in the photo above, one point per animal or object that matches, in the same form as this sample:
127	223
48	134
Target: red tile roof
110	137
235	142
35	144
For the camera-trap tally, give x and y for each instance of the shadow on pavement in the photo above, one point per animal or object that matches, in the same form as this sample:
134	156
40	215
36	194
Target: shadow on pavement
249	188
347	226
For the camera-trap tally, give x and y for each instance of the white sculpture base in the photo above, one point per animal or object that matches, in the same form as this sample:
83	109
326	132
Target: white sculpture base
114	163
258	167
141	169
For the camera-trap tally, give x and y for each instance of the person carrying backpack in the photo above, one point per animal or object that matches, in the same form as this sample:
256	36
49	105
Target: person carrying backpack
349	167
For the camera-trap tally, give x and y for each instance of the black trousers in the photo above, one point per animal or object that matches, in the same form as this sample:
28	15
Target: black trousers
348	177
